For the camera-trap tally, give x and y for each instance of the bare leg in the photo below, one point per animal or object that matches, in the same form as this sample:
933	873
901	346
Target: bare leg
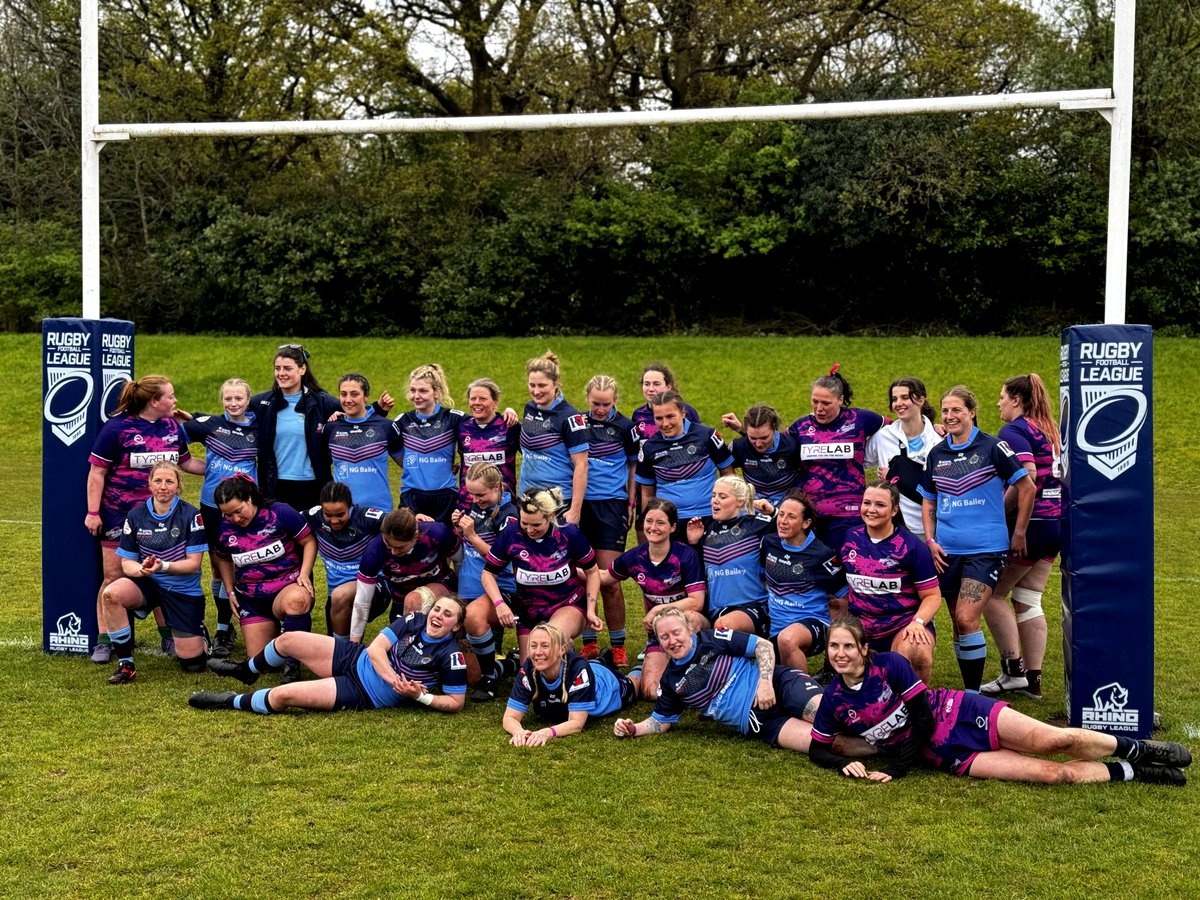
652	670
315	651
738	621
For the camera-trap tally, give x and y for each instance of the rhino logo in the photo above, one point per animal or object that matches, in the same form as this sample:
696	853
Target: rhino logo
69	625
1110	710
1110	698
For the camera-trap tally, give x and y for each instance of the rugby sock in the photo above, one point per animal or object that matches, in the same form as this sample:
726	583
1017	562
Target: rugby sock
1119	771
589	636
329	617
617	638
484	648
164	632
103	638
221	602
267	661
498	631
122	642
1035	679
222	626
972	656
1127	748
341	637
1013	668
294	622
254	701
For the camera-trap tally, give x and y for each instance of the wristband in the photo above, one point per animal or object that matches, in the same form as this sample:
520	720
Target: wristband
918	620
499	602
553	733
166	566
94	512
425	699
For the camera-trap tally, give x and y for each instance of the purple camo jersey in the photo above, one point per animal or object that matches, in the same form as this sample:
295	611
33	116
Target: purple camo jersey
544	568
494	442
875	710
678	575
832	459
886	579
1032	446
428	562
266	553
128	446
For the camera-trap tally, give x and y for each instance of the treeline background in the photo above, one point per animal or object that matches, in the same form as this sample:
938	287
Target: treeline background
935	224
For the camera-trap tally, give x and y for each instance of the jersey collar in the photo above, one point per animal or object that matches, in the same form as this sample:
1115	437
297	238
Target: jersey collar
967	443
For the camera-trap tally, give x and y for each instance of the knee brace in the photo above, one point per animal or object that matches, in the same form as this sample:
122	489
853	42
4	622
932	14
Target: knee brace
1031	599
428	598
193	664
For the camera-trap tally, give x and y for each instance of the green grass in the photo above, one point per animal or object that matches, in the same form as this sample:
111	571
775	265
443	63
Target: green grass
128	792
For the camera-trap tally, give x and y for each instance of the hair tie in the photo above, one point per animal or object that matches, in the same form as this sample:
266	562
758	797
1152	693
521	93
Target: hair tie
835	368
244	477
895	479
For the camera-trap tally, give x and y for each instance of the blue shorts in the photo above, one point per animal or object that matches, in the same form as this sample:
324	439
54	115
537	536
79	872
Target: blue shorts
604	524
982	567
883	643
818	632
438	505
794	692
212	519
759	613
350	691
965	726
1043	538
184	613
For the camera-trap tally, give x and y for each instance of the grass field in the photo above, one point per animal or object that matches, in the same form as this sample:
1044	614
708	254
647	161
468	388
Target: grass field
127	792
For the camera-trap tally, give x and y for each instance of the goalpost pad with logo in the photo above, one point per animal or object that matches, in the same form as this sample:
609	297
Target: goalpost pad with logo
1107	461
85	363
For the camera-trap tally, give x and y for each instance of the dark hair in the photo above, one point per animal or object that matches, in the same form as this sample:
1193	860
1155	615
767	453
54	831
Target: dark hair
854	625
300	357
399	525
336	492
799	496
668	398
136	394
239	487
360	380
760	415
892	487
835	382
964	393
1035	404
916	388
666	506
667	374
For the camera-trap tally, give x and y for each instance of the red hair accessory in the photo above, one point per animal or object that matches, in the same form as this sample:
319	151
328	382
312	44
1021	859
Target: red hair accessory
836	366
244	477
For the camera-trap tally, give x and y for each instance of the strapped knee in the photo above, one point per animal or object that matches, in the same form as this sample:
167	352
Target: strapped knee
428	598
1030	599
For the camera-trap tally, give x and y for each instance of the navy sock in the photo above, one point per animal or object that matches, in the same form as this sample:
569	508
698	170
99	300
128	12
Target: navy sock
122	642
1119	771
972	656
484	648
294	622
221	602
164	632
617	638
1127	748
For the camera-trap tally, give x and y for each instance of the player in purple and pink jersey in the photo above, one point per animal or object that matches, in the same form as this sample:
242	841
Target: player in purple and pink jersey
543	555
487	436
1032	433
405	567
833	443
273	551
893	583
140	433
879	698
670	577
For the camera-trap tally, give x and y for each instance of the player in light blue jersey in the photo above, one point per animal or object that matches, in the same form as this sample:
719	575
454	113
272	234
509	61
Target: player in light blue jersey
554	440
360	443
962	508
430	435
161	546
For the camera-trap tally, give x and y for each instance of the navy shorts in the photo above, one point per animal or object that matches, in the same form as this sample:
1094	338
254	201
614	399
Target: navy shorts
794	691
184	613
603	523
212	519
350	692
883	643
759	613
832	530
256	609
1043	538
818	633
438	505
983	567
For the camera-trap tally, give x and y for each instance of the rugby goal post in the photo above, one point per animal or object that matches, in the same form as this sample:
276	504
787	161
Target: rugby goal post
1105	374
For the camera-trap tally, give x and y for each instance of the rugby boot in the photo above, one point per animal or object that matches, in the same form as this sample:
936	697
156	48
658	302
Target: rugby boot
591	650
222	645
485	690
101	654
229	669
620	657
1006	684
125	673
1152	774
212	700
1163	753
291	673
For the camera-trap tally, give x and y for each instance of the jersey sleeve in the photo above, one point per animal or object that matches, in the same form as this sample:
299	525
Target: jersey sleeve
498	554
1017	440
581	551
1007	464
107	447
619	567
691	570
292	521
127	546
871	422
669	705
718	450
371	563
575	433
447	540
735	643
831	575
901	676
825	724
197	540
581	693
926	487
453	671
522	690
643	472
921	567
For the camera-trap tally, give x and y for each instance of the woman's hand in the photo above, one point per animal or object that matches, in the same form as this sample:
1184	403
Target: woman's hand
939	556
150	565
386	401
695	530
731	420
571	516
510	416
764	694
624	728
464	523
305	581
504	615
538	738
595	622
520	739
916	633
92	524
406	686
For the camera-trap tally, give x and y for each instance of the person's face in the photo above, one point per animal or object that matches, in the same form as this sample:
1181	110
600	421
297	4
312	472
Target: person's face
654	382
235	400
790	522
399	548
600	404
164	404
545	655
658	527
542	388
481	404
354	400
421	395
669	419
164	485
442	618
725	503
826	405
1010	407
288	374
534	524
336	515
483	496
239	512
957	418
761	437
674	637
845	654
876	509
904	405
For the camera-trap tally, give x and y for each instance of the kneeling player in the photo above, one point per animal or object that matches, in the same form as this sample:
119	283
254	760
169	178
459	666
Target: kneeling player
410	659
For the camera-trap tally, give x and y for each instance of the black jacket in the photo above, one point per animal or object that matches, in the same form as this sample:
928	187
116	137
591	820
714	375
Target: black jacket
317	407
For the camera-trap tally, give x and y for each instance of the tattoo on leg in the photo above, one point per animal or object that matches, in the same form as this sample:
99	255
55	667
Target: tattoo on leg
973	591
810	708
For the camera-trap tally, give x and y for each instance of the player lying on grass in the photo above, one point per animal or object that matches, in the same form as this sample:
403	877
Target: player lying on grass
410	659
879	697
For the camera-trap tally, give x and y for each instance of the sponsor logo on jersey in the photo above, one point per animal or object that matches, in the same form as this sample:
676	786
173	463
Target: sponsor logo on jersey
479	456
581	681
893	723
271	551
146	460
1110	710
559	576
67	636
458	662
577	422
838	450
831	566
723	634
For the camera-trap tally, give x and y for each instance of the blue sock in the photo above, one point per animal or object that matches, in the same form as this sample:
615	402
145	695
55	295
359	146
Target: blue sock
617	638
972	656
254	701
589	636
268	660
484	648
122	641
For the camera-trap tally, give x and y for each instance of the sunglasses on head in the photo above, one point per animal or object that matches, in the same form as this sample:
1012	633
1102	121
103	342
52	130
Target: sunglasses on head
299	347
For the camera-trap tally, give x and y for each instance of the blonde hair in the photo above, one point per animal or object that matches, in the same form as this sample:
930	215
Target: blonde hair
558	640
600	383
436	376
547	501
669	613
233	383
546	364
488	473
740	488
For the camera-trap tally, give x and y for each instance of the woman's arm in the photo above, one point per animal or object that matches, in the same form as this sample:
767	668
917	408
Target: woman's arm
764	655
97	475
573	725
308	546
627	728
578	486
592	588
